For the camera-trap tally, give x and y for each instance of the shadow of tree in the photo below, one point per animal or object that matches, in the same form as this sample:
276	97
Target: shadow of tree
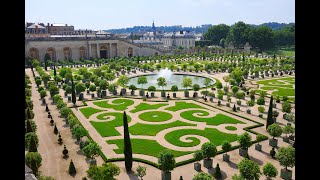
232	165
66	157
256	160
132	176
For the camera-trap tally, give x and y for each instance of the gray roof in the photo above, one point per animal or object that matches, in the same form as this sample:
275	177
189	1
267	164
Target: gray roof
36	26
184	34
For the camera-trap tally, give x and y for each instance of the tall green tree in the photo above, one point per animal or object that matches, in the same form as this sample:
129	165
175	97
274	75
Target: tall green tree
238	34
72	168
261	37
216	33
127	144
73	97
29	127
269	118
33	145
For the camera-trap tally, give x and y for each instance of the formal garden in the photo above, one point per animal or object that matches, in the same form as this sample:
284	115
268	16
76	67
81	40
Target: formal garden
161	125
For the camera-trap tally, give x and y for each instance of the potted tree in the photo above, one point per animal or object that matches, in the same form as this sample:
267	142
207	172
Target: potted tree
132	88
92	88
275	131
196	88
161	81
270	171
249	169
209	150
142	80
78	131
258	146
91	150
288	129
198	155
152	89
123	81
166	163
226	146
174	88
186	82
87	84
113	88
286	157
245	142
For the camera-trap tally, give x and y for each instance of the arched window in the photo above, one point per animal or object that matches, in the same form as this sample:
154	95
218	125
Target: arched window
82	52
130	52
34	53
67	53
52	53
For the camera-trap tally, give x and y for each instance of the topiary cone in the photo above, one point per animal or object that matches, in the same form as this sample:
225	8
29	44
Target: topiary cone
60	139
47	108
55	130
72	169
51	121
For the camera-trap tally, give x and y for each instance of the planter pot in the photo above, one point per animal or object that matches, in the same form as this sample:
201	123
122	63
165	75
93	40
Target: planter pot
195	94
165	175
226	157
186	94
174	95
69	98
93	161
80	97
258	147
104	93
92	95
211	99
243	152
286	139
43	101
291	137
197	166
114	92
207	163
248	111
286	174
273	142
152	94
124	91
238	108
88	91
163	94
141	92
132	93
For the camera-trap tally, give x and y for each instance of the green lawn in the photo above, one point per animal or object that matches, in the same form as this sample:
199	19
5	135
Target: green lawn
284	92
154	129
282	89
106	129
215	120
183	105
231	128
87	112
118	117
213	135
117	104
155	116
144	146
146	106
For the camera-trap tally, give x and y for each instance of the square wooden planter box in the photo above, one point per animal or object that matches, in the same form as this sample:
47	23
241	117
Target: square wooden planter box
273	142
197	166
243	152
258	147
165	175
226	157
286	174
141	93
207	163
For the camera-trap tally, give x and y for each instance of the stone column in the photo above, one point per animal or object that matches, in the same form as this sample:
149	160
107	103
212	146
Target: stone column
110	51
89	51
98	51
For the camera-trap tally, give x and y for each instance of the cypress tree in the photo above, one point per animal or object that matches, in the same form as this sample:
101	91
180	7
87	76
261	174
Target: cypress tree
55	130
73	98
269	118
72	169
46	58
29	127
54	71
34	167
32	145
234	108
180	178
127	144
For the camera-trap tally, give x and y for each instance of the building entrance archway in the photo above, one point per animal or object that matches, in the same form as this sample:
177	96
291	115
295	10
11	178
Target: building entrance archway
103	52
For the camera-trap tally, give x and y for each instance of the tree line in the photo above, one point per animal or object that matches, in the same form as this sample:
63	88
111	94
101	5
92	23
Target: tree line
261	38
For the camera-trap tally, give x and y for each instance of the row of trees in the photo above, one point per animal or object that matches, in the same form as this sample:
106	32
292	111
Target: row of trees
261	37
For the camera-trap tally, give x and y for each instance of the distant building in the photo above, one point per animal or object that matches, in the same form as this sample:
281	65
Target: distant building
84	32
184	39
35	30
60	29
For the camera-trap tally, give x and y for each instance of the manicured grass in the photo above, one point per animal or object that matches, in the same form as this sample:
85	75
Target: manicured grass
274	86
284	92
155	116
117	104
118	117
231	128
154	129
273	81
215	120
144	146
87	112
213	135
146	106
183	105
104	129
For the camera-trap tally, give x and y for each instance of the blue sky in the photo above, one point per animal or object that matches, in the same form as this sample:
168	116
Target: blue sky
108	14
